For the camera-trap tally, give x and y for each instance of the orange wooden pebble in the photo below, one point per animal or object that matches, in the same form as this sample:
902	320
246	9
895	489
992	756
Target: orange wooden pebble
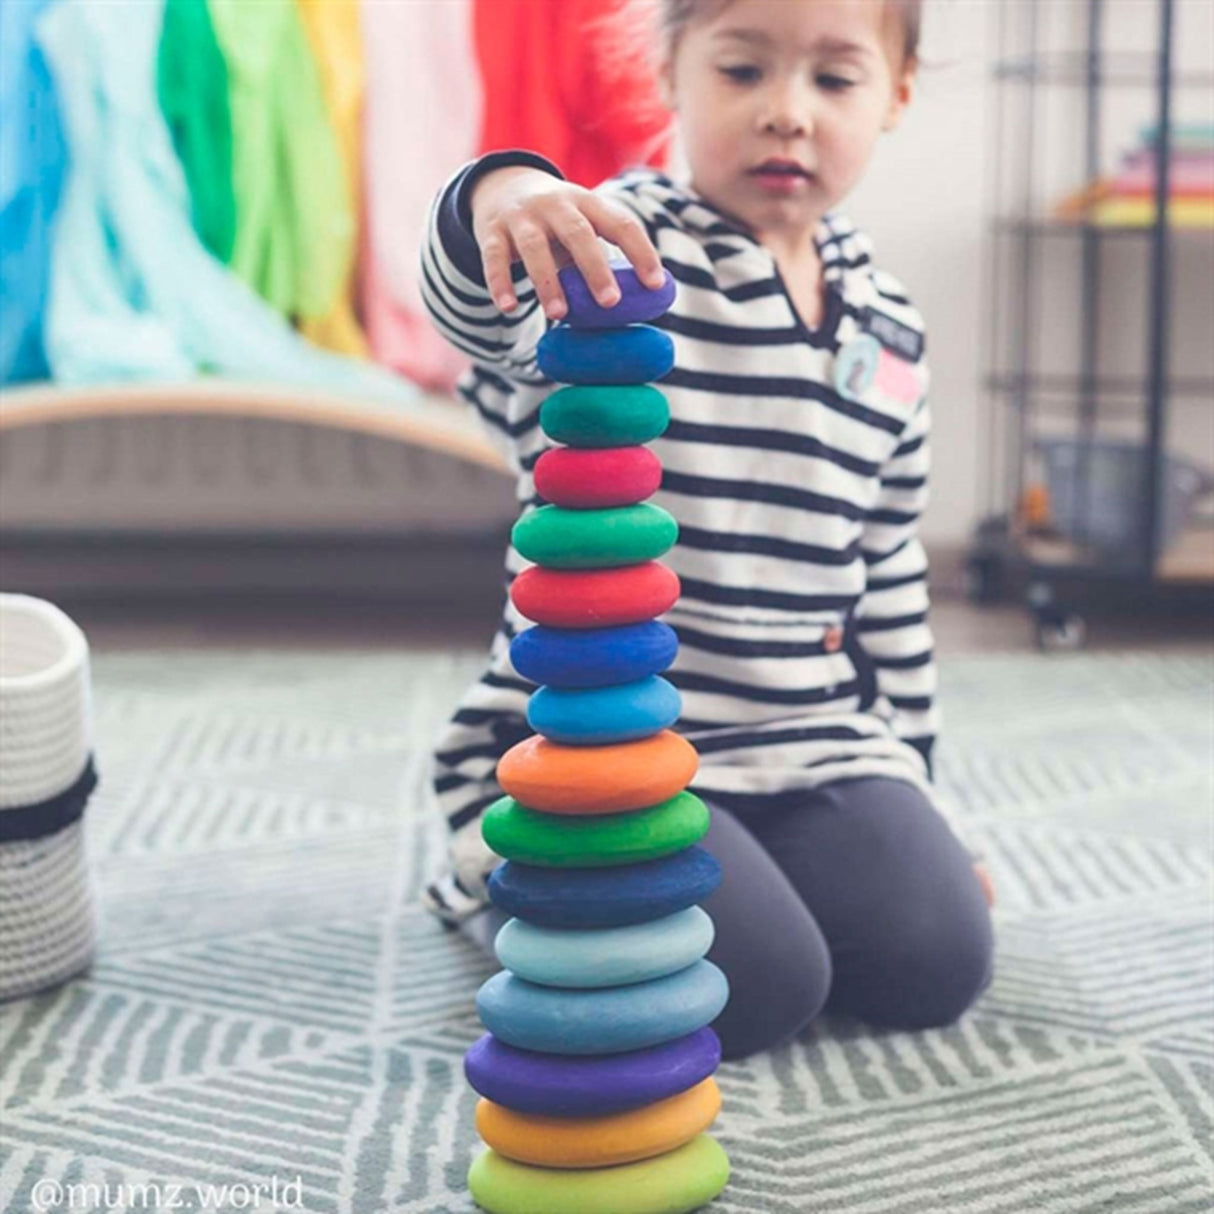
599	1142
558	779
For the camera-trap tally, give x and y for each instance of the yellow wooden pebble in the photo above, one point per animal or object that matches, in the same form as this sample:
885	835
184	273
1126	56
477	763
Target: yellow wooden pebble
599	1142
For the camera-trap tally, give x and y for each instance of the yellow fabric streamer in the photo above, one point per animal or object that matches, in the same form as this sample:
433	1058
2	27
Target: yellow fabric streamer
294	224
332	28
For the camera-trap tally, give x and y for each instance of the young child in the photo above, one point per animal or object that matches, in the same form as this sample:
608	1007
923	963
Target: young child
796	464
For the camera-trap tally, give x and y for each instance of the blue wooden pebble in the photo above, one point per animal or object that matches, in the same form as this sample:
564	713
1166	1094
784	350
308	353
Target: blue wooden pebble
593	657
608	1020
615	956
635	354
604	897
599	716
638	303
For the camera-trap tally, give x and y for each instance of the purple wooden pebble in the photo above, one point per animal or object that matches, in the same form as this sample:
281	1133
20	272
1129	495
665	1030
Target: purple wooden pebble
638	304
554	1085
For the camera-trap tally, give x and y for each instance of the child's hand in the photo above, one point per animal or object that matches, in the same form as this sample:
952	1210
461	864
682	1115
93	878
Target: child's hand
524	214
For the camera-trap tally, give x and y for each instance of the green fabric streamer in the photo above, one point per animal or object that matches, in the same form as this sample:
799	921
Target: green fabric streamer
192	88
294	220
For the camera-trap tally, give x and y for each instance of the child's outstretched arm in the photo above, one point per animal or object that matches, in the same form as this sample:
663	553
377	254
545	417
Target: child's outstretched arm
892	618
499	232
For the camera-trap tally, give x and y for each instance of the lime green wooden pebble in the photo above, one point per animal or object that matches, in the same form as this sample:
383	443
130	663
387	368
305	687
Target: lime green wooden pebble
675	1183
595	539
590	415
568	841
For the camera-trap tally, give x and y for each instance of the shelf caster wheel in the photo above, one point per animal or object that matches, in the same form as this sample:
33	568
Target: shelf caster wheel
1054	627
1066	632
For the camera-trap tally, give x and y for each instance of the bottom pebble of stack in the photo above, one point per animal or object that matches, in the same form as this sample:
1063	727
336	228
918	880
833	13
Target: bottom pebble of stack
678	1182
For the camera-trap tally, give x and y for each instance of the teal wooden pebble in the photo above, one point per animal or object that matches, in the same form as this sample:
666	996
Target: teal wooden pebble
618	956
595	539
635	354
600	716
601	415
604	1020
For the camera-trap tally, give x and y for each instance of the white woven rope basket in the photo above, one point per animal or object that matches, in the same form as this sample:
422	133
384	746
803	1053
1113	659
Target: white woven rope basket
47	919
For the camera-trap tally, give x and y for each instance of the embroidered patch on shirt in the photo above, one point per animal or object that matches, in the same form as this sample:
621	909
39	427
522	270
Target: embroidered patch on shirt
856	366
896	378
863	364
896	337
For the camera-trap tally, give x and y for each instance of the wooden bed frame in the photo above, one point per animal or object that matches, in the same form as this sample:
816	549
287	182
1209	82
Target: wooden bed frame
431	421
75	553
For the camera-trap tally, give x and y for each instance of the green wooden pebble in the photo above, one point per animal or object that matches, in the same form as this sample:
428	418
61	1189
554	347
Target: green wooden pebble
675	1183
594	539
577	841
586	415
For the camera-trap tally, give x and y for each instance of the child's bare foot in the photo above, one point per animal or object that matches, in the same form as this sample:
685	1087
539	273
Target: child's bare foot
988	885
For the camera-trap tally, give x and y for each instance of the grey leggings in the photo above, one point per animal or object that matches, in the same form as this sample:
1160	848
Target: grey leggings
859	899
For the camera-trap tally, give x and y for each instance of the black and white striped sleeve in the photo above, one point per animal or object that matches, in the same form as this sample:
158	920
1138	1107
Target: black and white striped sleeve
453	279
892	616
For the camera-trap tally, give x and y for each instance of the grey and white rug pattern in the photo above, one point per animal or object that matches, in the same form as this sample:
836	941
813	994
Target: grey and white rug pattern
270	1001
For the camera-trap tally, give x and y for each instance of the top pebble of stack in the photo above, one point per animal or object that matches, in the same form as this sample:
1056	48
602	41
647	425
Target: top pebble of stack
638	304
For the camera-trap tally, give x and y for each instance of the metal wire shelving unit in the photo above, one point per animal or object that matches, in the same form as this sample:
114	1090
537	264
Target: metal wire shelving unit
1011	547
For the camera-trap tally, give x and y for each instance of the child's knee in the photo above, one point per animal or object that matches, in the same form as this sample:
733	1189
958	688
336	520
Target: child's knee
774	995
943	974
923	974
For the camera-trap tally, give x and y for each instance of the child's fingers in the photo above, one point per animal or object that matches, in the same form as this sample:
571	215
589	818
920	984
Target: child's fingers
628	233
579	239
495	260
534	248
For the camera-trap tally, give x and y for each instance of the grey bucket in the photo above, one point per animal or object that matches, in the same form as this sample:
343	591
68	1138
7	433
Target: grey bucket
1112	514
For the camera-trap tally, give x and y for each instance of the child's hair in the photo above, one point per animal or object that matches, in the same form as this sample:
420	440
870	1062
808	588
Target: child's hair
676	15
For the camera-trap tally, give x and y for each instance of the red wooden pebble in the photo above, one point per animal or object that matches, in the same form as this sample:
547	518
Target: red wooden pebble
595	598
587	478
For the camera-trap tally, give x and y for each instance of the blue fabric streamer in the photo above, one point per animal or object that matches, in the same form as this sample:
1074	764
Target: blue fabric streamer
32	163
134	294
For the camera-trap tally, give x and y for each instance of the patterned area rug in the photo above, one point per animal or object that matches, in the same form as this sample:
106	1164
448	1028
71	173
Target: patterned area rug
270	1002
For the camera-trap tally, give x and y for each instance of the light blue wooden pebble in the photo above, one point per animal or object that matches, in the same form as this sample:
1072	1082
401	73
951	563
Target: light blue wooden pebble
635	354
605	1020
615	956
600	716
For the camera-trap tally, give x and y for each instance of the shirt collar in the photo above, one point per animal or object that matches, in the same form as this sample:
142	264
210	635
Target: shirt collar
845	251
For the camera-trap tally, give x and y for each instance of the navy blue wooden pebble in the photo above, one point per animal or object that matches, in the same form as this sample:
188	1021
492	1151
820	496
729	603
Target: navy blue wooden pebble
601	716
635	354
604	897
593	657
638	303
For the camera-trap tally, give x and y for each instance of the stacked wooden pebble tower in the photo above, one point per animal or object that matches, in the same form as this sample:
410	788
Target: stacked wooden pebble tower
596	1073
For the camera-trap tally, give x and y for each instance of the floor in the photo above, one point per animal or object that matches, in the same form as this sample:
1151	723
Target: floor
270	1001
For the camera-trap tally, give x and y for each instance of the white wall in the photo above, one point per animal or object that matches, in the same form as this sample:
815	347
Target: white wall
929	193
923	203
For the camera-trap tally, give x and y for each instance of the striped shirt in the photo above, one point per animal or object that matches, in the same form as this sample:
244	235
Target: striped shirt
805	653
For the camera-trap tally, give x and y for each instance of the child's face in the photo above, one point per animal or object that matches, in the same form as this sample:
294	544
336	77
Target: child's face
781	102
